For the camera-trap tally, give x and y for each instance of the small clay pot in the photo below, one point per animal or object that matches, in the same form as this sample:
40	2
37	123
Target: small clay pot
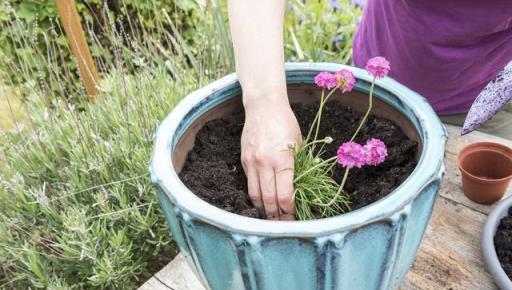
486	169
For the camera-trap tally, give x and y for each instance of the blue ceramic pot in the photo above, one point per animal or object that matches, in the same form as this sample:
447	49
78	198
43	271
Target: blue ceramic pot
369	248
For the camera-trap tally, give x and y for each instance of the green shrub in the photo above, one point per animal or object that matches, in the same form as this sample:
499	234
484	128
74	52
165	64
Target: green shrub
132	19
76	206
75	200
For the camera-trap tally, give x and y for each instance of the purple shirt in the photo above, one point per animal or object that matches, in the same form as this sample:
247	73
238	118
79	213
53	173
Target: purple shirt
446	50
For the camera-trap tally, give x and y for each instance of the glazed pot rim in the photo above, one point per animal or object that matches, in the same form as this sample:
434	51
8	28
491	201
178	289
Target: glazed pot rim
484	146
432	133
488	248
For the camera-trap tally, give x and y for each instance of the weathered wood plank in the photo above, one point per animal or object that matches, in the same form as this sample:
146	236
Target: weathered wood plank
450	256
182	277
154	284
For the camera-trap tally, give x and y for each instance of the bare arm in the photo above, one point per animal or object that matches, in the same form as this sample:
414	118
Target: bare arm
257	32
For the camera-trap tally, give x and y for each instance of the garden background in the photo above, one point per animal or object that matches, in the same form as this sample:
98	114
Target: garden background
76	206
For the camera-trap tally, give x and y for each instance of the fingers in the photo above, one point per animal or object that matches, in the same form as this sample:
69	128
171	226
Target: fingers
268	192
253	183
253	186
270	185
284	186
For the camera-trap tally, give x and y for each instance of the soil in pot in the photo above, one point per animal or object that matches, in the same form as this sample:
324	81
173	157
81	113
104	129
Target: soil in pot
503	243
213	170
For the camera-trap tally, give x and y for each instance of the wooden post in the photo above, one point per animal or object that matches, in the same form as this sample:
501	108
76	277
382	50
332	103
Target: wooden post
76	38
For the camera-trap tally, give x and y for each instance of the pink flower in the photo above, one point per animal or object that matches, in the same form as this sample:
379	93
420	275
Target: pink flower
345	80
378	67
351	154
325	80
376	151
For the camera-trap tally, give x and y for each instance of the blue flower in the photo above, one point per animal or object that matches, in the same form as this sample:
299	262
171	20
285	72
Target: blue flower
336	39
335	4
359	3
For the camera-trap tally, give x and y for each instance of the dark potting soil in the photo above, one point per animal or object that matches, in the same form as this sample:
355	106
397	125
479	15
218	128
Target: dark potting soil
503	243
213	170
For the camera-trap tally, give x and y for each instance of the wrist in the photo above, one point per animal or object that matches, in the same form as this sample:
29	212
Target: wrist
265	99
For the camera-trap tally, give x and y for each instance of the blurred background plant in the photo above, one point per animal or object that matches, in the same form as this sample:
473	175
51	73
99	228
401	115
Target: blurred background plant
320	31
76	206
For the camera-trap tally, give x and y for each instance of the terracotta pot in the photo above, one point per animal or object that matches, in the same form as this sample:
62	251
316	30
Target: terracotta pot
486	169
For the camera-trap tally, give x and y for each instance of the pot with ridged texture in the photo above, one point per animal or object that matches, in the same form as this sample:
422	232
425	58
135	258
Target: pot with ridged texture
369	248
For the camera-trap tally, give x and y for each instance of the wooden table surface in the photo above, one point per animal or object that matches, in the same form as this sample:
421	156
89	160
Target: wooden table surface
449	256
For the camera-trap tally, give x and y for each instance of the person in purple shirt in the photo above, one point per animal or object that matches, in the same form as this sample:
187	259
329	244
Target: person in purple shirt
447	51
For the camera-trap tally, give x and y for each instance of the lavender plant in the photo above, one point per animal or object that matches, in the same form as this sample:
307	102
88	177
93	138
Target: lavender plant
76	206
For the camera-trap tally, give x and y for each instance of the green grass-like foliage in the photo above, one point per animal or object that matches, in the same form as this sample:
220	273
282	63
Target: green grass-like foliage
76	206
316	193
133	17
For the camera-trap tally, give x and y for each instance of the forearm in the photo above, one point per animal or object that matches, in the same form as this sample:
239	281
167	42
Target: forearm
257	33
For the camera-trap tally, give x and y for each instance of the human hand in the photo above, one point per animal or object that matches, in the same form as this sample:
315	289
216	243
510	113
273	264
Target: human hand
270	126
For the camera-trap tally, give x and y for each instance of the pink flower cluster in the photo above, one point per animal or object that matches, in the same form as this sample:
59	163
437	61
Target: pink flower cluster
378	67
376	151
351	154
325	80
344	79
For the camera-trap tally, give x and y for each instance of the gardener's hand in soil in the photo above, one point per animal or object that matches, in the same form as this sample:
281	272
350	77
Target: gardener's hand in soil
257	33
269	126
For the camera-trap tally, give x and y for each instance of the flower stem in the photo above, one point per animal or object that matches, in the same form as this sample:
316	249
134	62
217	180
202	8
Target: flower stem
370	105
316	121
314	167
345	175
306	145
319	115
340	189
